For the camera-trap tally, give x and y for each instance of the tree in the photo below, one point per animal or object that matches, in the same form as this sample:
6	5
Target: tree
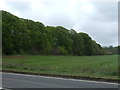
78	47
88	44
27	36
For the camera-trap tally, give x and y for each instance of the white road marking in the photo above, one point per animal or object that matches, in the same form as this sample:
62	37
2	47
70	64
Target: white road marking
61	78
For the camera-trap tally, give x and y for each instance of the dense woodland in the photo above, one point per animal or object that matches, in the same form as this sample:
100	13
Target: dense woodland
23	36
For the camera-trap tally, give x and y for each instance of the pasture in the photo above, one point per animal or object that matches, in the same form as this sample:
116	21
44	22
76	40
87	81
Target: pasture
93	66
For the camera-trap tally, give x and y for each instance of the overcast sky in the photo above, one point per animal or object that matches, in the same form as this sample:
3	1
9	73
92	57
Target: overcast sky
98	19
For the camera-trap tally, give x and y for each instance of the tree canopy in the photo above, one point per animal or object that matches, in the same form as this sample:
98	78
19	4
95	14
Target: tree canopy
23	36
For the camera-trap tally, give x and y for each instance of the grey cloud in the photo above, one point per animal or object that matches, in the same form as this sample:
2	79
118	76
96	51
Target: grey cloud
103	33
19	6
62	20
107	11
102	26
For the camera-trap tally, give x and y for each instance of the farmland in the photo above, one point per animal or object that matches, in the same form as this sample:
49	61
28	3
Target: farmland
90	66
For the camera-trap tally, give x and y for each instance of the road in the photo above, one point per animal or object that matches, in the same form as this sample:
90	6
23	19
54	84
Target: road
12	80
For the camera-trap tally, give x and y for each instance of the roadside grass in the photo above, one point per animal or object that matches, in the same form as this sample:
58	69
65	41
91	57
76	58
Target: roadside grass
91	66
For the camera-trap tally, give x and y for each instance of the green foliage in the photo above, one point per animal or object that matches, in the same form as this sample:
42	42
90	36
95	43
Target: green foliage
26	36
88	44
62	50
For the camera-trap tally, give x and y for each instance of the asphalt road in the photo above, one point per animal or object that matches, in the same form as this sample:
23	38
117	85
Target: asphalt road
11	80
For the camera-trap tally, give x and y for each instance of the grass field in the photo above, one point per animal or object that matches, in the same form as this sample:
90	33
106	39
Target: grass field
93	66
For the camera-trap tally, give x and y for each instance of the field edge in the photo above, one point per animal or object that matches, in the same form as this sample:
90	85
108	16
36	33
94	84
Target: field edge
66	76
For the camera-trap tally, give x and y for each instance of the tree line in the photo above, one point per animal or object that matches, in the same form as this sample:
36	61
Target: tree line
24	36
111	50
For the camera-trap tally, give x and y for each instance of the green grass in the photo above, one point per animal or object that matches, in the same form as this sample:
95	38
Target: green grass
93	66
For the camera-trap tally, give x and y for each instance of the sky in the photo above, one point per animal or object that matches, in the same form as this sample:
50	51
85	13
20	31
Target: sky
98	18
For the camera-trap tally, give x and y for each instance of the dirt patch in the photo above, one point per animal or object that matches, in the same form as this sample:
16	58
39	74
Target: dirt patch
67	76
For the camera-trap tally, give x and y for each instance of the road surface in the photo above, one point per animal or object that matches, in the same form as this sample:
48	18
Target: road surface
12	80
